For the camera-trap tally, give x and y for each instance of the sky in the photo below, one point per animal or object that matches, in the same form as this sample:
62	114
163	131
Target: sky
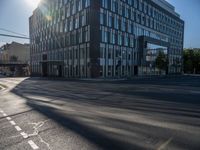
190	13
14	16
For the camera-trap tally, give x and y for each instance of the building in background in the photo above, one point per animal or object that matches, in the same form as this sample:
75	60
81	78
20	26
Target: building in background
15	59
104	38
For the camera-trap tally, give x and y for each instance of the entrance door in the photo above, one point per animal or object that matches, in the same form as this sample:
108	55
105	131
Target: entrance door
44	69
135	70
44	66
60	71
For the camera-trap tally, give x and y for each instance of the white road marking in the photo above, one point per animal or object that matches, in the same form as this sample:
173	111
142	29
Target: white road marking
1	111
165	144
33	145
4	114
37	126
12	122
36	131
24	135
8	118
18	128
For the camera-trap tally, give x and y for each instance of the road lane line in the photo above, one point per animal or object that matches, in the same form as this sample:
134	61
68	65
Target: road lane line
4	114
12	122
24	135
18	128
165	144
8	118
33	145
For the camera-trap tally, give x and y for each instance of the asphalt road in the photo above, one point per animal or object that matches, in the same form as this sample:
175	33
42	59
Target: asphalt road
88	115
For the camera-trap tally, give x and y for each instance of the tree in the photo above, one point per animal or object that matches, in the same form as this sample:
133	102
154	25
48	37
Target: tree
161	61
191	60
13	58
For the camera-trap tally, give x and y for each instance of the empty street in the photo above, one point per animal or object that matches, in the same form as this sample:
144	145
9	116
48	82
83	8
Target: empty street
157	114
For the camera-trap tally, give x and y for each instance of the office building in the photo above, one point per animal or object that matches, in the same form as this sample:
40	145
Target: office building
104	38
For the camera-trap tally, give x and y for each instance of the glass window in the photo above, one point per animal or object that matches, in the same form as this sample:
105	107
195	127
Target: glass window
116	22
112	37
79	3
120	39
76	22
101	18
126	39
71	25
104	36
126	12
110	20
114	5
123	24
104	3
87	3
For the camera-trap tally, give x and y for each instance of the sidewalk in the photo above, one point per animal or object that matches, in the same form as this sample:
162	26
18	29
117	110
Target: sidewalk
146	77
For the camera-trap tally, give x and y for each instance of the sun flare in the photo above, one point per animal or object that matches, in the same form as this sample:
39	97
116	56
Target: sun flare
33	3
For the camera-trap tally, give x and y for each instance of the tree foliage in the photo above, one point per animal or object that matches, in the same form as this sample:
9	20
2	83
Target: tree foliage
13	58
191	61
161	61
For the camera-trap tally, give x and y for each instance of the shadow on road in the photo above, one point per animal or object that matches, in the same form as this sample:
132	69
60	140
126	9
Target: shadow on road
164	113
